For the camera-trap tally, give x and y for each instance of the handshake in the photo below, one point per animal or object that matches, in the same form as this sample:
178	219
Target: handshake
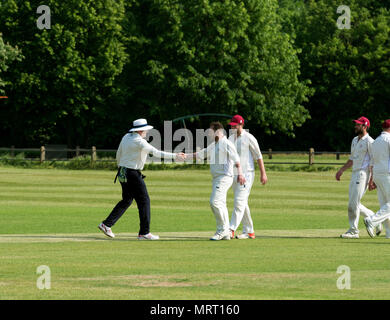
181	156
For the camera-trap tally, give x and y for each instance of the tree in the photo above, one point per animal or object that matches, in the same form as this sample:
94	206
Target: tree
349	68
8	54
68	70
231	56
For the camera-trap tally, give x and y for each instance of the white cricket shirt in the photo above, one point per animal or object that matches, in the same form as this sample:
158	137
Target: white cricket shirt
222	156
360	152
248	149
381	154
133	152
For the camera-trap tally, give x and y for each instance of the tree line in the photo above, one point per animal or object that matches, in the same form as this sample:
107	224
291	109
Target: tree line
284	65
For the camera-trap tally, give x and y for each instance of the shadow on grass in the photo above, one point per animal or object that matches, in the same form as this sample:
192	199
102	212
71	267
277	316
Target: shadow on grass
86	238
95	238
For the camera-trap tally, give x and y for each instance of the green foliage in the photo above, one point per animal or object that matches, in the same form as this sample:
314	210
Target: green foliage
349	69
8	54
104	63
280	64
84	162
77	163
68	71
228	57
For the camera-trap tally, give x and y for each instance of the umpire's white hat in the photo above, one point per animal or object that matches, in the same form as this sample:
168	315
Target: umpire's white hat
140	125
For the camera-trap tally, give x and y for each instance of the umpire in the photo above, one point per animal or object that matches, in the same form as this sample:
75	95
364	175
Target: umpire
131	157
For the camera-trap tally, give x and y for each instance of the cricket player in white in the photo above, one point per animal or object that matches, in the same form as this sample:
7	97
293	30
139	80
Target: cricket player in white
360	162
380	166
222	156
249	151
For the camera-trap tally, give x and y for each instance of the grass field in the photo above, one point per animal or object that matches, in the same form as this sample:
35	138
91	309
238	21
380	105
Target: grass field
50	217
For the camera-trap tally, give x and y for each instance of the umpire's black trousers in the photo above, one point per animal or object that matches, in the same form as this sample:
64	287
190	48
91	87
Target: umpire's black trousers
133	189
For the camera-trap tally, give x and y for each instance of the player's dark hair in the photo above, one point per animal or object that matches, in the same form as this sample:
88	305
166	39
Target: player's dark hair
216	126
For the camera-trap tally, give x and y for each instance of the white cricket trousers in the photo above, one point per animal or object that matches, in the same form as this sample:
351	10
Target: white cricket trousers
241	212
382	182
221	185
357	188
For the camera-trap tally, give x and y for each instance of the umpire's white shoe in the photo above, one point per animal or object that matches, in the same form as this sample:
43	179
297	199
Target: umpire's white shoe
106	230
349	235
378	229
369	227
221	236
148	236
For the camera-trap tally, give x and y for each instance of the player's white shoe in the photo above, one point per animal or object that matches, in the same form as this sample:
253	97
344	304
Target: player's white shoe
148	236
349	235
379	229
106	230
221	236
369	227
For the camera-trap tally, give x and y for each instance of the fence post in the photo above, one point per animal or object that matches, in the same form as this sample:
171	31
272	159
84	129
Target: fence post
269	153
311	156
93	157
12	151
43	153
77	151
337	155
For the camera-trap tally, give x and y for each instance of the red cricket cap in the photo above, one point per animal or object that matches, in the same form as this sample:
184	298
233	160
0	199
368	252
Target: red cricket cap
237	119
363	121
386	124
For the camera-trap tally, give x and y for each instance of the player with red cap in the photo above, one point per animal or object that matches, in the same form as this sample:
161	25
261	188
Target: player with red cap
249	151
380	179
360	162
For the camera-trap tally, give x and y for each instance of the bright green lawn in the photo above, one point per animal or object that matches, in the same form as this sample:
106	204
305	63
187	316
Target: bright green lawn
50	217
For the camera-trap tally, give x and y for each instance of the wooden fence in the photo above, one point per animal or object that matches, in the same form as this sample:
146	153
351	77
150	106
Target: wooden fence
42	155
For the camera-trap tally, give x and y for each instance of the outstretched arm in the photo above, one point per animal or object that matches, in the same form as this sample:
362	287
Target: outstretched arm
161	154
201	154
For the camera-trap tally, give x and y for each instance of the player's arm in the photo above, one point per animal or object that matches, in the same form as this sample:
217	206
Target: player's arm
263	174
232	152
345	167
371	184
240	177
348	165
254	148
201	154
161	154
